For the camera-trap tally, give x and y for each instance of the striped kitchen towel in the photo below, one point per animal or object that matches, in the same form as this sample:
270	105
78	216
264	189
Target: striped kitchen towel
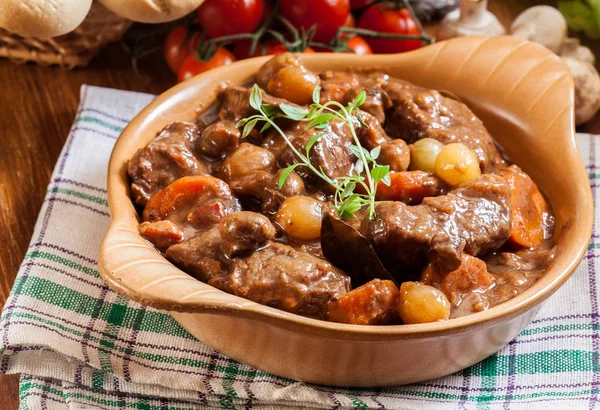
80	345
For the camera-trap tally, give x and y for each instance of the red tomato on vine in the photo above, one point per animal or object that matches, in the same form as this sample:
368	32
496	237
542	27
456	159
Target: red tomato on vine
227	17
382	17
326	15
359	45
175	50
193	66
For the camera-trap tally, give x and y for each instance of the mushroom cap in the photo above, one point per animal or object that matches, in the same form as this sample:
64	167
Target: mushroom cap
587	89
42	18
542	24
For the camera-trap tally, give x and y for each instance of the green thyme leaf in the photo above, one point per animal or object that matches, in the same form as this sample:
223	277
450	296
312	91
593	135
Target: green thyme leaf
360	151
359	166
379	172
265	127
293	112
348	189
386	180
249	127
360	99
285	174
360	119
256	97
350	206
269	110
316	97
375	152
320	120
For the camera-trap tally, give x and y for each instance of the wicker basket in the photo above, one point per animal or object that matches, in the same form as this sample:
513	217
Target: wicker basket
77	48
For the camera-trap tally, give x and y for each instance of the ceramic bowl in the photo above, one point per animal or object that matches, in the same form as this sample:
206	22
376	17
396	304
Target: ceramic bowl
524	95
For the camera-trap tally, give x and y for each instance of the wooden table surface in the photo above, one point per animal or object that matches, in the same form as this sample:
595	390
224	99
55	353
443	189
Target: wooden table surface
37	108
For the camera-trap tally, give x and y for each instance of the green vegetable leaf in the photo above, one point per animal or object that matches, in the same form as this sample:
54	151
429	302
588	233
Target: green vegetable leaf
348	208
293	112
359	166
269	110
582	16
265	126
256	97
360	99
285	174
320	120
386	180
241	122
249	127
375	152
348	189
360	119
316	97
359	151
379	172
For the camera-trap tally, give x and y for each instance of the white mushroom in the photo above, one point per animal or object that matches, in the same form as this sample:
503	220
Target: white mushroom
573	48
541	24
587	89
471	19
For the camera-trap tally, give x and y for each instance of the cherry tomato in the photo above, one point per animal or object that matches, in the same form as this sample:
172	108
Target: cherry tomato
359	4
193	66
281	49
242	49
379	17
175	50
223	18
327	15
350	22
359	45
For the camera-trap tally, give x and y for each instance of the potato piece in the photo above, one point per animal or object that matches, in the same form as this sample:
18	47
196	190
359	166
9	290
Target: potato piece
374	303
301	217
456	163
420	303
293	83
423	154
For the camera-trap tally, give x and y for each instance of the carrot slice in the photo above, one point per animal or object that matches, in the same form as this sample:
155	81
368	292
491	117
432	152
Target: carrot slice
374	303
410	187
528	208
181	192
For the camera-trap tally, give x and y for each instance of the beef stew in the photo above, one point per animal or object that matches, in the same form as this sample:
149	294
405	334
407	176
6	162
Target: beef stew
254	202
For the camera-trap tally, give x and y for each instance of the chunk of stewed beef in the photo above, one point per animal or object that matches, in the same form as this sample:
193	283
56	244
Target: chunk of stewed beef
235	103
474	219
209	256
331	153
165	159
422	113
377	102
289	279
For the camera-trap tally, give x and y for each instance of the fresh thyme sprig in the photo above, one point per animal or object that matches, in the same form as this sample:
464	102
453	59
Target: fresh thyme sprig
367	172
